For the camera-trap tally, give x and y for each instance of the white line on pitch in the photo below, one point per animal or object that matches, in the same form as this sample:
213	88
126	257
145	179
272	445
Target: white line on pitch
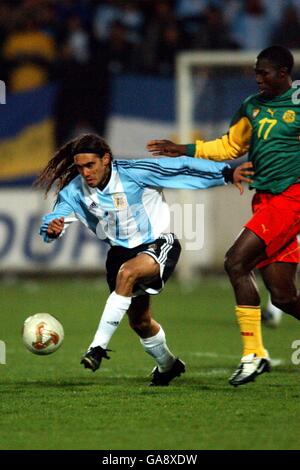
274	361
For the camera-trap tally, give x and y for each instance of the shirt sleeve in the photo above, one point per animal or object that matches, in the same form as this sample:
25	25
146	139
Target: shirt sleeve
62	208
232	145
177	173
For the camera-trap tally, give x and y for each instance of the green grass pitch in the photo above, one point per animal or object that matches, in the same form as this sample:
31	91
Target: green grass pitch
53	403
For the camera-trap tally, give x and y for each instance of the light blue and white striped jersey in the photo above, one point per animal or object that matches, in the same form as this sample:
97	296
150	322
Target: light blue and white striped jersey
131	209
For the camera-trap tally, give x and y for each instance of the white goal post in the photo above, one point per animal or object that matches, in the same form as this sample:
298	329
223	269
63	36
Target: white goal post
224	212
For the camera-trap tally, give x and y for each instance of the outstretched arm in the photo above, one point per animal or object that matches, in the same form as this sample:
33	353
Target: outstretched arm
178	173
232	145
167	148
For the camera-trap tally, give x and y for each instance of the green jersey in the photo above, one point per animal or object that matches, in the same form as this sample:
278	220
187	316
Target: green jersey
269	130
274	145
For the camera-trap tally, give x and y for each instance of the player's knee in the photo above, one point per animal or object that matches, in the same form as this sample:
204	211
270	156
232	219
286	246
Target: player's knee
283	300
232	265
126	275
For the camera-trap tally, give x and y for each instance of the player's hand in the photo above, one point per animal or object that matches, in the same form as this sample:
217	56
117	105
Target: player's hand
166	147
55	227
243	173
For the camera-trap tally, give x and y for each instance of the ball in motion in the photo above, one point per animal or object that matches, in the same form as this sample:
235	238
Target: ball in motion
42	333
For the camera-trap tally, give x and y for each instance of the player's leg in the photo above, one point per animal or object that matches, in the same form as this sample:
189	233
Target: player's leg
140	317
269	235
138	268
130	272
153	341
280	280
240	260
247	251
118	303
141	268
148	267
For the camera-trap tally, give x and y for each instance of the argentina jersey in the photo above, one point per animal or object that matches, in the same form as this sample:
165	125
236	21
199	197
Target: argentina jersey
131	210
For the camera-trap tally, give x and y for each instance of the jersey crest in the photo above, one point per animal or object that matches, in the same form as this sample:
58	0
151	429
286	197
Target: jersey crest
120	201
289	116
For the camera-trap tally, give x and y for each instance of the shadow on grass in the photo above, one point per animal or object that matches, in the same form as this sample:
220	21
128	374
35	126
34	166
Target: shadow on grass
70	384
140	384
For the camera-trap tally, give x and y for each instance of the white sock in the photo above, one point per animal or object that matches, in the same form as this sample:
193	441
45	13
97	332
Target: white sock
157	347
114	310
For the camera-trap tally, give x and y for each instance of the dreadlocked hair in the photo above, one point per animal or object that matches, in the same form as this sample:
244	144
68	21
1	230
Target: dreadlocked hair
62	169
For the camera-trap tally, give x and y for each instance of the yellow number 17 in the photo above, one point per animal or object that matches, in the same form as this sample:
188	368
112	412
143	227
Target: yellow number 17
271	123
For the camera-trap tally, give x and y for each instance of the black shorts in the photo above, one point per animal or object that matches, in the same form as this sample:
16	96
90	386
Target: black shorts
165	250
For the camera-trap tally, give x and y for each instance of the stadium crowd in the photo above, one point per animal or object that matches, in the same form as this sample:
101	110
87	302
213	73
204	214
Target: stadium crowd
40	38
81	44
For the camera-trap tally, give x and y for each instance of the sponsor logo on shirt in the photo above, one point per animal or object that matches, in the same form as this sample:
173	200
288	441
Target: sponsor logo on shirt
93	206
271	111
264	228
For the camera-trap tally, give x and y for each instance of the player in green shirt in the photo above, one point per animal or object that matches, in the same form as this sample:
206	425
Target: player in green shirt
267	126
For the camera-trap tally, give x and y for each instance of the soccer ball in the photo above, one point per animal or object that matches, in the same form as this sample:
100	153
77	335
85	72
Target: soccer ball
42	333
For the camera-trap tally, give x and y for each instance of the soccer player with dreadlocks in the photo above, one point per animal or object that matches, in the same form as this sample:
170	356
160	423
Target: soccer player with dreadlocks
122	202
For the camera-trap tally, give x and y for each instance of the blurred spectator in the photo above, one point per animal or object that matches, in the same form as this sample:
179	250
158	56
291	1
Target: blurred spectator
231	10
133	20
274	11
83	97
189	13
70	8
29	54
294	3
120	51
170	44
105	15
288	32
48	18
5	20
252	29
77	41
162	15
213	32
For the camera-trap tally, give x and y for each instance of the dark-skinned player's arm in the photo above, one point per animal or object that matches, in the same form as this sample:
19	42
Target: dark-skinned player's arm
242	174
232	145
